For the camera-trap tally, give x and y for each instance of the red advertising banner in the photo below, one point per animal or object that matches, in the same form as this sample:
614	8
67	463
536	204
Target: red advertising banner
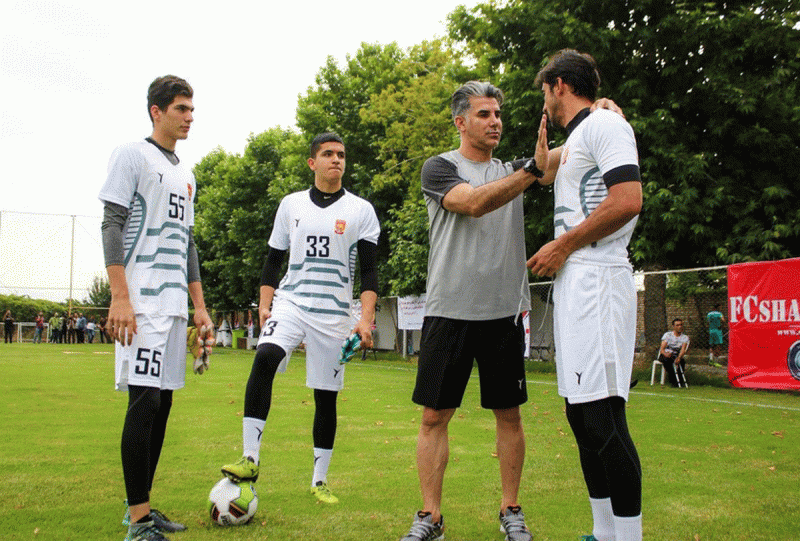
764	320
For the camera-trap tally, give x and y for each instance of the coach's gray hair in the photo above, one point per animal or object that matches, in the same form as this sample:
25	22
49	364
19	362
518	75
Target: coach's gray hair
459	103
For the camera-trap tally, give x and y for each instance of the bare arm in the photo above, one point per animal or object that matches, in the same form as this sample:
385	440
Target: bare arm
266	294
201	317
466	199
121	319
624	201
364	326
475	202
661	350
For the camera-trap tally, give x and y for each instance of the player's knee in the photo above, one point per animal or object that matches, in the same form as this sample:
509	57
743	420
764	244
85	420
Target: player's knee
592	424
508	419
144	400
268	356
435	419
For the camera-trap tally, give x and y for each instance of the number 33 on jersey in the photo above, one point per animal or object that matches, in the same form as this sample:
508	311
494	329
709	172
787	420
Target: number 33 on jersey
323	249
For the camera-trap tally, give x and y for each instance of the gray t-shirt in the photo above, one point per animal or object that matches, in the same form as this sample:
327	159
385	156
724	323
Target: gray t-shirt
476	266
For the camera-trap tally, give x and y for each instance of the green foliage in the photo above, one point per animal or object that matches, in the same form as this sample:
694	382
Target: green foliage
26	309
341	102
99	293
407	268
711	89
415	114
237	199
682	286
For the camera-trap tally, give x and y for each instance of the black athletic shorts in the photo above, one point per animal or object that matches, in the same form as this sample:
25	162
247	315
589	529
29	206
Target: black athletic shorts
447	350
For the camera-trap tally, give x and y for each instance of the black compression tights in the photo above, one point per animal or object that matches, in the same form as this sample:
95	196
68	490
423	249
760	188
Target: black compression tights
258	396
324	418
608	456
142	439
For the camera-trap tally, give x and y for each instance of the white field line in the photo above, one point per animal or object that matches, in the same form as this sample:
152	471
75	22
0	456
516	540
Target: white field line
680	396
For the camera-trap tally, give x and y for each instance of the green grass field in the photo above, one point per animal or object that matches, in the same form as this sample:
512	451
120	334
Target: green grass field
719	464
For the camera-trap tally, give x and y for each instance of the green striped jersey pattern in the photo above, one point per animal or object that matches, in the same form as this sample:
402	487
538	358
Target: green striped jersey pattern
323	275
160	259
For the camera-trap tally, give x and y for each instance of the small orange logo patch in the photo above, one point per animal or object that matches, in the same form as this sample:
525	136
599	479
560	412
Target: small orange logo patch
340	225
566	153
189	187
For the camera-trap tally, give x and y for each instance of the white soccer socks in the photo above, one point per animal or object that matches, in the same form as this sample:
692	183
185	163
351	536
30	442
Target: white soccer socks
603	517
252	429
628	528
322	460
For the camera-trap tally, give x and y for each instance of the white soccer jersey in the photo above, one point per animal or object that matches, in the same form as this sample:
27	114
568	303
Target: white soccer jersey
323	248
674	343
160	200
601	142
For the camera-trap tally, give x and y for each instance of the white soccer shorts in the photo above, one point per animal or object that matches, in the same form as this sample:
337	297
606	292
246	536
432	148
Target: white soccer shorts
595	331
157	356
286	327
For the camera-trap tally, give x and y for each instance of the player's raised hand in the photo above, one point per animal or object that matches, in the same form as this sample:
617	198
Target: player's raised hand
542	152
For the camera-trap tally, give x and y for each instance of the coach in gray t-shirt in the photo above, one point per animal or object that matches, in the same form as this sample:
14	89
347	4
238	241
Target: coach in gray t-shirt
476	266
477	285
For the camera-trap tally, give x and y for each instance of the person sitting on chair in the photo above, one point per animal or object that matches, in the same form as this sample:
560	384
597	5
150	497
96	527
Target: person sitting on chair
673	348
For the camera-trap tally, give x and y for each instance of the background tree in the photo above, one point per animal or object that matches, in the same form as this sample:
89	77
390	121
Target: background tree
415	115
711	89
391	106
99	293
237	199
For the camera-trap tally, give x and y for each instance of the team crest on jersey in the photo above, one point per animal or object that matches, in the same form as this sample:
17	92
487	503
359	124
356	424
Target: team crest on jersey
565	154
189	187
339	228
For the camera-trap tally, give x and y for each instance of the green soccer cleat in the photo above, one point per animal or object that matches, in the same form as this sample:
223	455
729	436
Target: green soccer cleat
146	531
126	518
245	469
512	523
323	493
587	538
424	529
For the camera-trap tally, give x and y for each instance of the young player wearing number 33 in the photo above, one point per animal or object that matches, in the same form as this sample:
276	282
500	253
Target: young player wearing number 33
152	263
324	229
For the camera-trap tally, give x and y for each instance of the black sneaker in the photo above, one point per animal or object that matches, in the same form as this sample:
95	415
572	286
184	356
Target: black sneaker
163	523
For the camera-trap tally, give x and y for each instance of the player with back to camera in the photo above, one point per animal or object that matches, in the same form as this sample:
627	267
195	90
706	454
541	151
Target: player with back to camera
152	263
324	229
598	195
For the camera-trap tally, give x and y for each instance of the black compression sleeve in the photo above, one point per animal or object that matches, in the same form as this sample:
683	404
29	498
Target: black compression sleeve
270	274
368	259
623	173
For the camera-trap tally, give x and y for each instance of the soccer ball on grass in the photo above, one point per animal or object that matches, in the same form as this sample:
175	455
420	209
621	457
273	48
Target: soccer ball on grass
231	504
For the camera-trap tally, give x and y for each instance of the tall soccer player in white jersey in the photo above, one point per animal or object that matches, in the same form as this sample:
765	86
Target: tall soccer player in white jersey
598	195
324	229
152	263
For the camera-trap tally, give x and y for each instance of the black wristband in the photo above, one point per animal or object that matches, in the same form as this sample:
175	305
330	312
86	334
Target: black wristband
530	167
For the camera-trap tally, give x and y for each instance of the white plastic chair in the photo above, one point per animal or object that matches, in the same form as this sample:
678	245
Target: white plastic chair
657	364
